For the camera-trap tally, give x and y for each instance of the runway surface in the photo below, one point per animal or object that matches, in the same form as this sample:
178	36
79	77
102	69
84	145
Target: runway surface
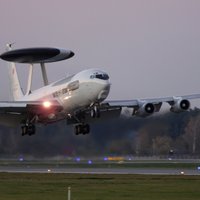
30	169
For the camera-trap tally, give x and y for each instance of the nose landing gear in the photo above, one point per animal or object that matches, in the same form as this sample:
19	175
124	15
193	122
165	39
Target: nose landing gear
95	112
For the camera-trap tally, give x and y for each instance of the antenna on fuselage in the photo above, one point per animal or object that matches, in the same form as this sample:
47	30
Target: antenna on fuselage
39	55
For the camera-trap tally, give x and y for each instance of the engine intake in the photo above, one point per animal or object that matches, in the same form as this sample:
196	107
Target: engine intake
144	110
149	108
180	105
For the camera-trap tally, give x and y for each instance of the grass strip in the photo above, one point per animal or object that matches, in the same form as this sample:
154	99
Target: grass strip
14	186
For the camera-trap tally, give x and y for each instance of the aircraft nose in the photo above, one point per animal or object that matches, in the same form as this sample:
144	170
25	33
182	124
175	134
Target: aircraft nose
104	92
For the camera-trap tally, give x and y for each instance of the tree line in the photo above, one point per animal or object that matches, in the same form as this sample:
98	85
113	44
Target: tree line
152	136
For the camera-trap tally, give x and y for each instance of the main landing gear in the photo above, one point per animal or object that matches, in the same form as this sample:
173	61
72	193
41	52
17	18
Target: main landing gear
28	129
82	129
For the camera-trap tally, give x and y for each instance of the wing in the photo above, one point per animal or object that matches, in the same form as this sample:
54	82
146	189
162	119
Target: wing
140	107
19	110
145	107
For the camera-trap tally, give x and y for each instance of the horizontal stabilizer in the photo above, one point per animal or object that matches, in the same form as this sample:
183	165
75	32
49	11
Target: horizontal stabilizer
37	55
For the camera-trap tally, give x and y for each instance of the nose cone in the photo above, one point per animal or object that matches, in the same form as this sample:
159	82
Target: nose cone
104	92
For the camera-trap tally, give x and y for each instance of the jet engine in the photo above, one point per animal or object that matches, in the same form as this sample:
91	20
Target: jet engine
144	110
180	105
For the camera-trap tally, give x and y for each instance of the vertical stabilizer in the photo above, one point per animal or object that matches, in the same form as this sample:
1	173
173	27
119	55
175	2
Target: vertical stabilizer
15	87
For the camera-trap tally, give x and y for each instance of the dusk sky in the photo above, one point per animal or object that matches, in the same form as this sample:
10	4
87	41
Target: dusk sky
150	48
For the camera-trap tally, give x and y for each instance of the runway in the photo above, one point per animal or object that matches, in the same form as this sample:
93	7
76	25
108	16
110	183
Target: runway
159	171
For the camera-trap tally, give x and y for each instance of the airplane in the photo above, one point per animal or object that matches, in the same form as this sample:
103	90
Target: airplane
79	99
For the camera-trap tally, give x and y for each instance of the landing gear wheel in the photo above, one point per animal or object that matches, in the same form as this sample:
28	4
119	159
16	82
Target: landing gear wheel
86	129
28	129
24	130
82	129
31	129
77	129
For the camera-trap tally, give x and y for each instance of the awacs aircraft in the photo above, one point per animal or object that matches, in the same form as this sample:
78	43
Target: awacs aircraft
78	99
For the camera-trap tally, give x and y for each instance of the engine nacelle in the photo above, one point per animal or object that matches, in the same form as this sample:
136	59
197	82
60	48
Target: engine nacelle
145	110
180	105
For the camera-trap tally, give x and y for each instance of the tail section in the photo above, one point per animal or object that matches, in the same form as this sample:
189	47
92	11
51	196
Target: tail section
15	87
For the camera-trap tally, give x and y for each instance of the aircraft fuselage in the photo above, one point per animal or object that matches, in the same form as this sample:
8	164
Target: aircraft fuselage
74	92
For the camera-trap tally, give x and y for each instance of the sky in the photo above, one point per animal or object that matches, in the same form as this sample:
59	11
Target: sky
150	48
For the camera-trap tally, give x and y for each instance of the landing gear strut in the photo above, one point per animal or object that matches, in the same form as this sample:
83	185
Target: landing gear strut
95	112
82	129
28	129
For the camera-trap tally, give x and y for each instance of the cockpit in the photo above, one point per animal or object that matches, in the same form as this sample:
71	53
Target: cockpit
102	76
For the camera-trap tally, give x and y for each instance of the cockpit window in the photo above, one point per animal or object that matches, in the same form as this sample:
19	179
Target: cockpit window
100	76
